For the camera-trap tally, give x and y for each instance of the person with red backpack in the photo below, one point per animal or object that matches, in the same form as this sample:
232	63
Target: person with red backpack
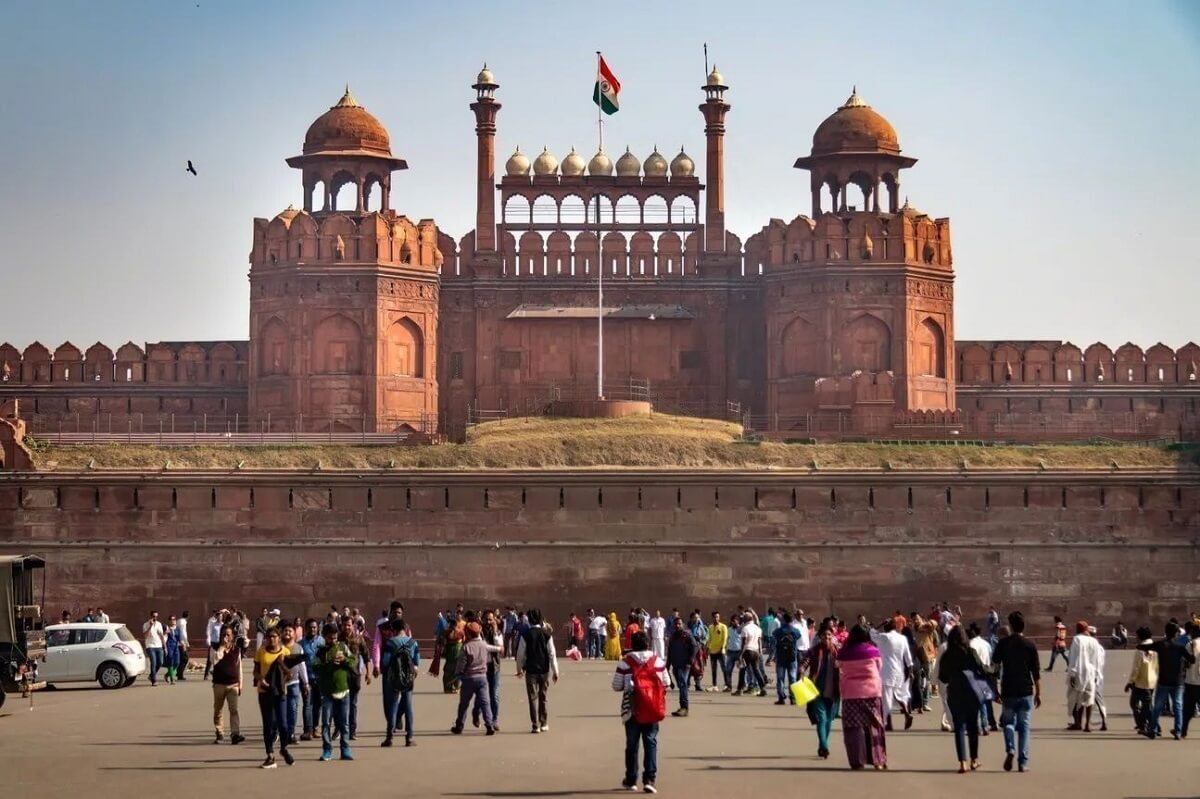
641	678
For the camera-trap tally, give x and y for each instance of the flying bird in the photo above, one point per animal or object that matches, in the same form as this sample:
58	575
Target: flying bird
191	168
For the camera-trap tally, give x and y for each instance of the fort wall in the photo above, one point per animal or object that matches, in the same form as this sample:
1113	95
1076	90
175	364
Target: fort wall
1096	545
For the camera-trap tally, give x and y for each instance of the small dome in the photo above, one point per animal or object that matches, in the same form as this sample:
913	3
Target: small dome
545	164
682	166
347	126
715	78
288	214
656	165
855	127
517	165
573	165
485	75
600	164
628	165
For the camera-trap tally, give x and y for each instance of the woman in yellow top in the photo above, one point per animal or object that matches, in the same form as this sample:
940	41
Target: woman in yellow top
270	677
612	645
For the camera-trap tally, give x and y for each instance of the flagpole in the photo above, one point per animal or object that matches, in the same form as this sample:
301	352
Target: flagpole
599	251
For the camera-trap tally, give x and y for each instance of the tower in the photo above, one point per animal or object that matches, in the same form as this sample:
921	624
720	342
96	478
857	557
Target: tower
714	109
485	108
859	297
344	301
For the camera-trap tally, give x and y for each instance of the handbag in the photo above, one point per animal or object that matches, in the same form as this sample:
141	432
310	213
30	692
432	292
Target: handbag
979	686
804	691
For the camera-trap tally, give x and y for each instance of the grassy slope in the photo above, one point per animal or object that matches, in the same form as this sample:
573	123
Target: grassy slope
655	441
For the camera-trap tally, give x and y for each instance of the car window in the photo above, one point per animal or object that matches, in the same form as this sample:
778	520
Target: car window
123	634
58	638
89	636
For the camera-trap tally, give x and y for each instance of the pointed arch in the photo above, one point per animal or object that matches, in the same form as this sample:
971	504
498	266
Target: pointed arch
337	346
273	348
929	349
800	349
405	349
865	344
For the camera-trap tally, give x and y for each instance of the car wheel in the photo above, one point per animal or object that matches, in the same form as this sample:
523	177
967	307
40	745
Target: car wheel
110	675
130	681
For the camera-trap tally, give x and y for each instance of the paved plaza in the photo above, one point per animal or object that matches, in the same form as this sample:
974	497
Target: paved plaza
158	741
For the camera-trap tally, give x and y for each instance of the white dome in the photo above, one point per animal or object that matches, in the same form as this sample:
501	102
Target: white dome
600	164
628	165
655	166
517	164
682	166
573	165
545	164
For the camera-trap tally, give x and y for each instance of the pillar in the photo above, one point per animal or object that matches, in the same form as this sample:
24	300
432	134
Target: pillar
714	109
485	108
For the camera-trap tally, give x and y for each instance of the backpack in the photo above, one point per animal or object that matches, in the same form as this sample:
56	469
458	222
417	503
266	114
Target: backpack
401	670
649	696
785	648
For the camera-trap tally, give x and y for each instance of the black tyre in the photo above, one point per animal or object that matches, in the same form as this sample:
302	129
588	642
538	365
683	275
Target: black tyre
130	681
110	675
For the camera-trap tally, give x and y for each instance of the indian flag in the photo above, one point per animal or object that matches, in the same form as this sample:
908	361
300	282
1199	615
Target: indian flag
607	89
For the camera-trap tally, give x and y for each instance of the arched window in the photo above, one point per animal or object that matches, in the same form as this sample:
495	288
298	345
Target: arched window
405	349
628	211
517	210
930	349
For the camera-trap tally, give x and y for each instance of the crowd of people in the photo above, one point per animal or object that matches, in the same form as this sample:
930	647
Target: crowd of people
307	674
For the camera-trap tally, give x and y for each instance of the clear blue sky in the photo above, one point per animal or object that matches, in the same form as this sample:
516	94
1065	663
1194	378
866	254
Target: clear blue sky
1060	138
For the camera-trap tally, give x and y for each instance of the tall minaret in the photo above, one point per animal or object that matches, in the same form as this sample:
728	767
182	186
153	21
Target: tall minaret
485	108
714	109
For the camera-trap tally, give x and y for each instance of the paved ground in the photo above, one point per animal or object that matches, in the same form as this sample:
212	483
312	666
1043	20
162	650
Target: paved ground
157	741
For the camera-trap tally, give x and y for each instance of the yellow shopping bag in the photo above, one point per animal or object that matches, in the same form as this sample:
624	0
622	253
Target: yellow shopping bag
804	691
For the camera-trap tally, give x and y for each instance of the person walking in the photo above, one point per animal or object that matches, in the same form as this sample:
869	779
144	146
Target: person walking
752	659
1191	679
1085	670
699	631
1173	660
681	653
297	684
538	663
311	645
452	639
896	672
718	638
171	649
181	670
401	659
657	627
335	670
495	647
471	670
1059	648
152	639
597	632
982	647
360	666
733	655
384	630
641	678
1020	690
787	651
820	666
612	644
227	685
861	690
272	664
212	636
963	675
1143	679
925	632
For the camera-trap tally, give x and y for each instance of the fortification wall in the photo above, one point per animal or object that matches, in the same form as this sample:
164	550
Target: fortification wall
1095	545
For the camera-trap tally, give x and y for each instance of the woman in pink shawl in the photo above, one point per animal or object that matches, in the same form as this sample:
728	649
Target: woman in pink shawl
861	688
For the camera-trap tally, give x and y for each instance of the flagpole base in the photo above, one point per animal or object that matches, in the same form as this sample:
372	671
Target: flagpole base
599	409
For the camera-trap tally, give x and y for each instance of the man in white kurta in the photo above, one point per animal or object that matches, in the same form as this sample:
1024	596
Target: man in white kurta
895	672
1085	669
657	628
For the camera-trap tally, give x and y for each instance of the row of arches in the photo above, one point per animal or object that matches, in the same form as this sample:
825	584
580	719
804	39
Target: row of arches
221	363
337	346
863	344
343	190
563	254
991	363
519	209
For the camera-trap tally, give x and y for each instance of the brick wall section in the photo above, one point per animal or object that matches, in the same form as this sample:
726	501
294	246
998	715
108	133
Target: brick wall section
1084	545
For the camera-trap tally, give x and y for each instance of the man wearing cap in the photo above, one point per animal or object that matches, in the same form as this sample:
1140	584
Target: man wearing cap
1085	669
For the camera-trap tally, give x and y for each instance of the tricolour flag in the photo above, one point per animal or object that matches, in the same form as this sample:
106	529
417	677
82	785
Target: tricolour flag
607	89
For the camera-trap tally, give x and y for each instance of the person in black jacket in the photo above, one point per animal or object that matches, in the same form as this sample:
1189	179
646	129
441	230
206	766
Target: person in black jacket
1173	660
960	670
682	649
537	661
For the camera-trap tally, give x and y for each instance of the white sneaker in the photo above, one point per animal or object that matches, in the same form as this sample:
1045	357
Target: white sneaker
545	728
649	788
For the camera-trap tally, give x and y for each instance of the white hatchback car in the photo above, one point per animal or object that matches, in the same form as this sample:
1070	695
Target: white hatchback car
83	652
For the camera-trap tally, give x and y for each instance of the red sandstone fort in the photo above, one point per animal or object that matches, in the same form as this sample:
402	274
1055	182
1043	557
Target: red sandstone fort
838	323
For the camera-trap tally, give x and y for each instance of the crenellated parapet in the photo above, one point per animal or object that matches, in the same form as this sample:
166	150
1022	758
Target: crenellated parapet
998	363
221	363
296	238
